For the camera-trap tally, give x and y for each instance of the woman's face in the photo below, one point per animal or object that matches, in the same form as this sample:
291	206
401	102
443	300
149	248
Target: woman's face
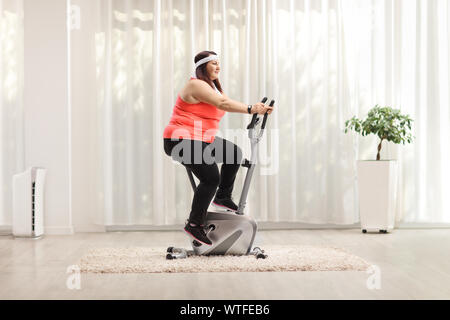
213	69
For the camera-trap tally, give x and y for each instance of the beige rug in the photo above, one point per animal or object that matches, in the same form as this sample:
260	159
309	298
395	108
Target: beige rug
280	258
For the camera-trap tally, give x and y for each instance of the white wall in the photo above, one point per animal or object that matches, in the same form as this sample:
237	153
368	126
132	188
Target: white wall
46	108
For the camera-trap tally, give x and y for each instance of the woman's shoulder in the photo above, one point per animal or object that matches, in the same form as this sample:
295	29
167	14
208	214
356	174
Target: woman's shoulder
196	82
193	87
185	93
192	82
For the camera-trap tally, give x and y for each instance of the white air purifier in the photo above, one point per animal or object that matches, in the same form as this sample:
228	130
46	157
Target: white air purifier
28	203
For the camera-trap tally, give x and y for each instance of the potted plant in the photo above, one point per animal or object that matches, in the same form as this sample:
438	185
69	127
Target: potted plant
377	179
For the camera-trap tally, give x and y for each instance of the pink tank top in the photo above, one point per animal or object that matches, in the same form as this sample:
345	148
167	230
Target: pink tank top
194	121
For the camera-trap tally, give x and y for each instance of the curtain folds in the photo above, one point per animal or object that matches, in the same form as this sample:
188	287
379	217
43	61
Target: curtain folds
323	61
11	102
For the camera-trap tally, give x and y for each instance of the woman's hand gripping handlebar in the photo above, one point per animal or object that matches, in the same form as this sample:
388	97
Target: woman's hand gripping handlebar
261	108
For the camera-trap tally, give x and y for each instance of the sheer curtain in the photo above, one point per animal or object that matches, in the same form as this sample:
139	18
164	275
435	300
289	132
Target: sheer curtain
323	62
11	102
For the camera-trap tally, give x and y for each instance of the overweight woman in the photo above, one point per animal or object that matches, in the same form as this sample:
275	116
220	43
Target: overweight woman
190	138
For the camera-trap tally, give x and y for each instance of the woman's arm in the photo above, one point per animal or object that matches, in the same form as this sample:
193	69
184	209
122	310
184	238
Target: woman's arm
201	91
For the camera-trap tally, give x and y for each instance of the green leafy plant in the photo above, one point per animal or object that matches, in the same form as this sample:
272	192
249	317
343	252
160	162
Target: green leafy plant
387	123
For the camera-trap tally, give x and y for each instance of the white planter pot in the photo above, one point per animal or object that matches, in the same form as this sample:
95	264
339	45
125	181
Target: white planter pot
377	186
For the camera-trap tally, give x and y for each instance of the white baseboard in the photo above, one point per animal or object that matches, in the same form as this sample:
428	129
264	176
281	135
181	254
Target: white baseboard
7	230
115	228
58	230
90	228
279	226
301	225
261	226
421	225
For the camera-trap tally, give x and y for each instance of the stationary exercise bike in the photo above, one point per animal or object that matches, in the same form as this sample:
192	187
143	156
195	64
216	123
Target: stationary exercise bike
231	233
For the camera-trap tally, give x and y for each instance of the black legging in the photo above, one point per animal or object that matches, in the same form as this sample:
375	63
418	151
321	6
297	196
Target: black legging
202	158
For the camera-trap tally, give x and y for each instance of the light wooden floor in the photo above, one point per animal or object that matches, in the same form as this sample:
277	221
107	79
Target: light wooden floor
414	264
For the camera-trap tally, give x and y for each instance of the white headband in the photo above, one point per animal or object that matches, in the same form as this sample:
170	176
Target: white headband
205	60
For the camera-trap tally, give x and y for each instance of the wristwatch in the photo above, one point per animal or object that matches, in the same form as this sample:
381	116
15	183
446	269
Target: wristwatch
249	109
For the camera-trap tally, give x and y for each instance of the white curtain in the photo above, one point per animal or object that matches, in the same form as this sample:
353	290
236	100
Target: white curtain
323	61
11	102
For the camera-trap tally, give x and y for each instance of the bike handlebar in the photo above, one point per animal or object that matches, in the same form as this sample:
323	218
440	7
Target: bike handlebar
252	123
266	114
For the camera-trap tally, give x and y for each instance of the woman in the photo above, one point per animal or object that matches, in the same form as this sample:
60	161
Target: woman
190	139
